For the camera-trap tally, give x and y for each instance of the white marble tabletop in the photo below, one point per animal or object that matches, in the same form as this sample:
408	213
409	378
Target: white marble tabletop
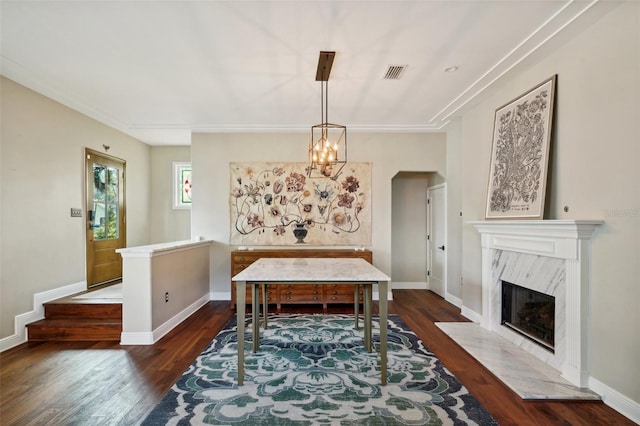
311	269
305	270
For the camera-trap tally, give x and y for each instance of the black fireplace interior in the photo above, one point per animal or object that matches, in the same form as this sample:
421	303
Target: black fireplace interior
529	313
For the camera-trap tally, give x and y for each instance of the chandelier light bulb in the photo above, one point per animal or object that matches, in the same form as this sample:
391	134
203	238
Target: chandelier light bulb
324	153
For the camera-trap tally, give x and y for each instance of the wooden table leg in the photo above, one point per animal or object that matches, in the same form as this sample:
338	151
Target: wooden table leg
241	293
382	302
368	320
255	316
356	303
264	304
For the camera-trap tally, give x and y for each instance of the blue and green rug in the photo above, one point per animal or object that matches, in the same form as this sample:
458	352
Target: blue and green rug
313	370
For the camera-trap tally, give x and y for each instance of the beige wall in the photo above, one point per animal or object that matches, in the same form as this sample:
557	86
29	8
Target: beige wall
455	215
408	227
166	223
595	172
388	153
43	143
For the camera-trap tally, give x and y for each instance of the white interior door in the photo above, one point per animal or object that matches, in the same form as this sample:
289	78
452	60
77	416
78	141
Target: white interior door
437	239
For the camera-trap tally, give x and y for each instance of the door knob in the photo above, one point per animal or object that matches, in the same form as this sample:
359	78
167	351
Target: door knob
441	247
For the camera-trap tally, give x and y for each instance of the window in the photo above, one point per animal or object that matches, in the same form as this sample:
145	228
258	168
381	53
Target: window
181	185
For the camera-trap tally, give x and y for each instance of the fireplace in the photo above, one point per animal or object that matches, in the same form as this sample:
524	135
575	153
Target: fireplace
550	257
529	313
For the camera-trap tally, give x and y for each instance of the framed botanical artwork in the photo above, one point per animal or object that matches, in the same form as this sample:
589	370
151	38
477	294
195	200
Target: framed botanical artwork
277	204
520	155
181	185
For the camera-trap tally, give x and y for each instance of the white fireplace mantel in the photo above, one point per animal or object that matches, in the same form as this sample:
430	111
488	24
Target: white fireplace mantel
569	240
553	238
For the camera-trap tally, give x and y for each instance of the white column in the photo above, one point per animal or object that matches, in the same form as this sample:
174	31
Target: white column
136	301
576	368
487	285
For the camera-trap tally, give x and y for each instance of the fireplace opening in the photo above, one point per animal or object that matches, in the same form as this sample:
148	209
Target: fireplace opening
529	313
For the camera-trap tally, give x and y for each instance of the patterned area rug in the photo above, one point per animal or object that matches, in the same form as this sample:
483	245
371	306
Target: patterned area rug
313	370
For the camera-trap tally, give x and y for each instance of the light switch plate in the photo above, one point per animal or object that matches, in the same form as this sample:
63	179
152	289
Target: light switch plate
76	212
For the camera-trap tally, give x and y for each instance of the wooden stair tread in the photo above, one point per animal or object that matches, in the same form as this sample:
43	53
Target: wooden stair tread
96	311
67	329
69	319
71	301
76	321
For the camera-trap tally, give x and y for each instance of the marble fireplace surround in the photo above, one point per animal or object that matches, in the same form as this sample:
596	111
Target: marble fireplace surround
552	257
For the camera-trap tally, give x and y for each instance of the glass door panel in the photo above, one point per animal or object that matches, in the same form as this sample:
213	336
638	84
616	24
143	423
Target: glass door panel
106	229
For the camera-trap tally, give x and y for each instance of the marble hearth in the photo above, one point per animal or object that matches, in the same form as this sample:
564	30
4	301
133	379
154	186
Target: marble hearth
551	257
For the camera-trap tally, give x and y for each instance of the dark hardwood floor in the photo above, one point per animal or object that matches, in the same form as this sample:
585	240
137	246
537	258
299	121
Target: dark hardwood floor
99	383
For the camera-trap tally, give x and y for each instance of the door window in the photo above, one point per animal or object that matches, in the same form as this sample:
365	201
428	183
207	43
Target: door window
105	214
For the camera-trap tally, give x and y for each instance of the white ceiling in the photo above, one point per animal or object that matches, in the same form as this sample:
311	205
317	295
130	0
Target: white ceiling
158	70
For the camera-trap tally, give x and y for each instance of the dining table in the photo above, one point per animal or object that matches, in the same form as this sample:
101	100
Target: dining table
285	271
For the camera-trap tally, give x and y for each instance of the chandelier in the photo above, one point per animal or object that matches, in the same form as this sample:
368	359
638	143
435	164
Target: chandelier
328	144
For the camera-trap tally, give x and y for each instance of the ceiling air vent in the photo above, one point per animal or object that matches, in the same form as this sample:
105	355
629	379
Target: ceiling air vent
394	72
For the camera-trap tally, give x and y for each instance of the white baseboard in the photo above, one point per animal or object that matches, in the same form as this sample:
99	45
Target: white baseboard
21	320
471	315
136	338
418	285
149	338
161	331
454	300
423	285
614	399
220	295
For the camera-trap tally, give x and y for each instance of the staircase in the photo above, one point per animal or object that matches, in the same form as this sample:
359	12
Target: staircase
71	319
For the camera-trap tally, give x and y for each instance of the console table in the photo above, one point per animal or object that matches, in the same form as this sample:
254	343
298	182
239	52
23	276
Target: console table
303	271
314	293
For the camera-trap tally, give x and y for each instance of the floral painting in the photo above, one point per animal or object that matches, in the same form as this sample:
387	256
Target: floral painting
519	158
278	204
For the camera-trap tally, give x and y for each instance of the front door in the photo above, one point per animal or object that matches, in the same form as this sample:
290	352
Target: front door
106	226
437	243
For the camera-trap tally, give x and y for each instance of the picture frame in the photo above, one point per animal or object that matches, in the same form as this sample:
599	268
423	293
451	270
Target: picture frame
520	155
182	185
277	204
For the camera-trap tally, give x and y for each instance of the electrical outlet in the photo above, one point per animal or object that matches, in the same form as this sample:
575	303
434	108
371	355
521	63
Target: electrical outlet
76	212
166	297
